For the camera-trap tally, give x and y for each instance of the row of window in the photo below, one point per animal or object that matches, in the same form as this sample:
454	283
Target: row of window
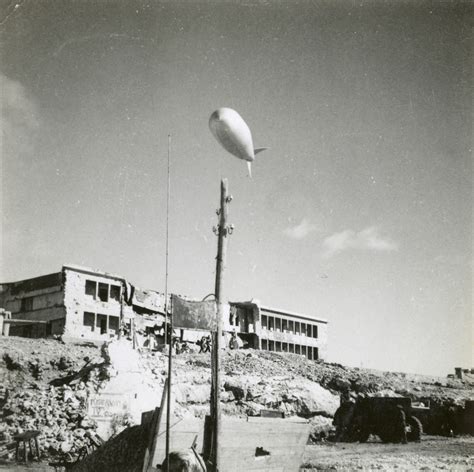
101	324
274	323
309	351
102	291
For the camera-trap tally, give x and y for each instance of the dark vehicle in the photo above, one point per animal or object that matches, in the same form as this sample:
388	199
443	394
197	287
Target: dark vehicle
380	416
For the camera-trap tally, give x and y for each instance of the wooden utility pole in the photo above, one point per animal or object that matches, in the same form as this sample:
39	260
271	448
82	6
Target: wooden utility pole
222	231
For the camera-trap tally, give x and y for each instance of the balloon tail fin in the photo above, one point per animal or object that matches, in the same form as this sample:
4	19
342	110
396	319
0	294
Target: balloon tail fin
256	151
249	167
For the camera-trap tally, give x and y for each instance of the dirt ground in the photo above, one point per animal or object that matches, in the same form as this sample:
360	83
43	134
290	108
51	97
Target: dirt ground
432	453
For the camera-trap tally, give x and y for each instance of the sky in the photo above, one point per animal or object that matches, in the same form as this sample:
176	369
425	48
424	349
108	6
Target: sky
359	213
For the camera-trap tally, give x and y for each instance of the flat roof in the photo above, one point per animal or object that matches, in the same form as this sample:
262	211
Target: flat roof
279	311
292	313
35	283
37	277
88	270
77	268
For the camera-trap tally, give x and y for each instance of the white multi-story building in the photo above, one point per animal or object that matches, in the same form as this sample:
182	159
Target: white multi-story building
84	304
272	329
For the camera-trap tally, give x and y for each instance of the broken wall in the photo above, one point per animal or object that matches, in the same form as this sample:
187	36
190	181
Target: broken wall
36	299
92	303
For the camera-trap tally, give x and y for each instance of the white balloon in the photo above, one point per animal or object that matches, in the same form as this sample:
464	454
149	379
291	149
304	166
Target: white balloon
229	128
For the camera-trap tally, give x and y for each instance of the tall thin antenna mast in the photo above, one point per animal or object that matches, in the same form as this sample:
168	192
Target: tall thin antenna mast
170	352
167	239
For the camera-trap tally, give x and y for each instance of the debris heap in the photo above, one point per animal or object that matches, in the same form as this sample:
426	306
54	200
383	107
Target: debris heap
45	385
46	389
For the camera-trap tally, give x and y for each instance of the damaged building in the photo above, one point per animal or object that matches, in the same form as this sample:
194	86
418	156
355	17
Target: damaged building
272	329
78	303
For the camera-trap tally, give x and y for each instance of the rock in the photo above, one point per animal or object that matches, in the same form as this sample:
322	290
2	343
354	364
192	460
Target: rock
310	398
253	393
12	363
66	446
79	432
269	399
321	428
191	393
64	363
227	396
87	423
340	384
237	387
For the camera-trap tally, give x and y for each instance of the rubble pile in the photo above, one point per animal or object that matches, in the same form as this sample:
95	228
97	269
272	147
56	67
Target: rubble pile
339	379
46	386
29	400
244	391
58	412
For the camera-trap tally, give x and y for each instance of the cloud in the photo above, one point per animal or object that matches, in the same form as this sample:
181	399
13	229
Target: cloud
300	231
368	239
19	115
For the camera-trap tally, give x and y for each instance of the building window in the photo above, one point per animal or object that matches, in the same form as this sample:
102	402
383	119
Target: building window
264	321
115	292
297	327
315	331
303	329
242	315
291	326
89	320
27	304
233	318
103	292
278	346
297	349
310	353
102	323
246	322
114	323
291	348
264	345
315	353
271	323
285	347
309	330
271	345
284	325
278	324
303	350
91	288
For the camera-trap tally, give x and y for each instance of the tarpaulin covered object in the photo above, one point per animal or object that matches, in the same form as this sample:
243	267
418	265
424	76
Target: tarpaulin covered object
194	314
